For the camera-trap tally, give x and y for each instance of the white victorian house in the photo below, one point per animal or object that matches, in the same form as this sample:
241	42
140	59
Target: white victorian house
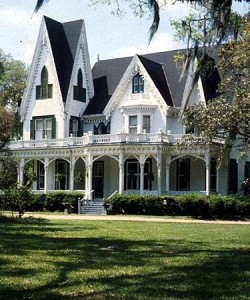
115	127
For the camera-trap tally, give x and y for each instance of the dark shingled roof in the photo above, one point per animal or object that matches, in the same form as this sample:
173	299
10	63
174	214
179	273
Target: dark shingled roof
161	67
100	99
163	70
156	73
64	39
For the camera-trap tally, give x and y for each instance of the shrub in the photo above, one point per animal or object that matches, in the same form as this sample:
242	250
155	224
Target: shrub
194	205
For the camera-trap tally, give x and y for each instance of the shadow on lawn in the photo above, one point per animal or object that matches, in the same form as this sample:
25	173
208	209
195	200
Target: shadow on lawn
121	269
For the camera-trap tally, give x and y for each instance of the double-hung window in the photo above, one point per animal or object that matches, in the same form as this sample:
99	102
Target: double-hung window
48	128
39	129
43	127
146	124
133	124
74	128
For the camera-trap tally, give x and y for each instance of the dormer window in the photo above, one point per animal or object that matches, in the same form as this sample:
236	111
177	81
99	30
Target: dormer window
44	91
138	84
79	91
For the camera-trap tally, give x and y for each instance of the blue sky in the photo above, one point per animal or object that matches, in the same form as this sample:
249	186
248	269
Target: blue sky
108	36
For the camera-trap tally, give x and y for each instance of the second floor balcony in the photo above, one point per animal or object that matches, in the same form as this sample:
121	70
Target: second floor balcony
90	139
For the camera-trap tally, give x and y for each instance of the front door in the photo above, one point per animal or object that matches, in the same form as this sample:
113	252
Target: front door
98	179
183	174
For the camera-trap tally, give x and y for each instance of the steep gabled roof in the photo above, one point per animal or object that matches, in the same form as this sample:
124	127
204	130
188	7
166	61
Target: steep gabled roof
64	38
161	67
156	73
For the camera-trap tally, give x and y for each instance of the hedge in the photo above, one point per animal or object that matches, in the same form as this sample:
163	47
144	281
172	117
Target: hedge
214	206
49	202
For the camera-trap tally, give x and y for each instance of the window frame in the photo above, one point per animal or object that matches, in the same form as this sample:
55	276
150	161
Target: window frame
146	129
44	130
138	84
133	127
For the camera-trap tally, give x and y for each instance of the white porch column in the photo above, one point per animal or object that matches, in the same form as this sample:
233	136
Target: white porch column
72	173
141	178
121	173
90	174
207	161
71	178
159	171
46	164
168	160
89	168
86	177
142	163
45	179
20	172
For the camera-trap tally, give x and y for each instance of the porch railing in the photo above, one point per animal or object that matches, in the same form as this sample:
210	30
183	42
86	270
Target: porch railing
90	139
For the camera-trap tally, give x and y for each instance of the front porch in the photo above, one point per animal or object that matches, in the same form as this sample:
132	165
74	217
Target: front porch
146	168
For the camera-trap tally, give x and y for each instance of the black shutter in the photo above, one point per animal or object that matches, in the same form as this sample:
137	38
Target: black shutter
83	99
50	90
75	93
70	126
80	129
32	129
38	92
53	128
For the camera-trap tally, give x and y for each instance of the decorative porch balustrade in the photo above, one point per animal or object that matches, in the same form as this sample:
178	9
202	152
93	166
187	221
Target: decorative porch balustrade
90	139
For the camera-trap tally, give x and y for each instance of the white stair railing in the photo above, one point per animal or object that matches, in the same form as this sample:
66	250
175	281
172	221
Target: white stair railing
84	201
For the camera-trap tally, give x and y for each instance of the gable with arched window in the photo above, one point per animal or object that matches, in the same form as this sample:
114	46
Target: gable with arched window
138	84
44	91
79	91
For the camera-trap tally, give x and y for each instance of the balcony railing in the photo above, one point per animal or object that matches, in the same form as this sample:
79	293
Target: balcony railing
90	139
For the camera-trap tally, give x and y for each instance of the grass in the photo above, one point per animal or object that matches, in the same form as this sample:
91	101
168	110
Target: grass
55	259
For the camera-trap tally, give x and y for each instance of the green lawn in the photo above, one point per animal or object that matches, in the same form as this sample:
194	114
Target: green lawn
42	259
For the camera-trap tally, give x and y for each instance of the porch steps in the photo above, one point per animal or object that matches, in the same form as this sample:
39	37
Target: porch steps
94	207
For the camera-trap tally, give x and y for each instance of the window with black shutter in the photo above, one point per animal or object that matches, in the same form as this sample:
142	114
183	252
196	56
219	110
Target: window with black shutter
45	90
75	126
43	127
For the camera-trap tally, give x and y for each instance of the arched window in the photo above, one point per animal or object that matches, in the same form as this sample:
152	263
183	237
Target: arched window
79	91
44	91
138	84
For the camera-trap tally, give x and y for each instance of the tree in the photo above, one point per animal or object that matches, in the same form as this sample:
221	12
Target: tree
219	10
13	74
228	116
17	197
